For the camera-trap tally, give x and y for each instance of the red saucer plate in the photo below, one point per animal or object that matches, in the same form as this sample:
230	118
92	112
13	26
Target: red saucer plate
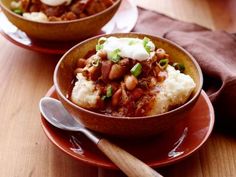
164	149
127	10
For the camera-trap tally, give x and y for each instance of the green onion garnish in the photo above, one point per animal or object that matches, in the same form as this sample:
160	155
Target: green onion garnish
102	40
148	49
109	91
179	67
114	56
96	61
18	11
136	69
163	63
99	47
145	42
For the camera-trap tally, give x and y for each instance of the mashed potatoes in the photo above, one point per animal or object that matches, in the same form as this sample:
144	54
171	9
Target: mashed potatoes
36	16
84	93
174	91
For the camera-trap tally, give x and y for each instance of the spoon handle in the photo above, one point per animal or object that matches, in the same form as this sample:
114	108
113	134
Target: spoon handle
129	164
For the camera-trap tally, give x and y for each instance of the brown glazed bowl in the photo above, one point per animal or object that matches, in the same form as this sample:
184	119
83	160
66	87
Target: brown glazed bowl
61	30
125	126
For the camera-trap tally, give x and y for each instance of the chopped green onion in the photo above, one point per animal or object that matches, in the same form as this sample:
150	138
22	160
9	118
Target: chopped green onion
163	63
96	61
179	67
18	11
99	47
145	42
102	40
136	69
148	49
109	91
114	56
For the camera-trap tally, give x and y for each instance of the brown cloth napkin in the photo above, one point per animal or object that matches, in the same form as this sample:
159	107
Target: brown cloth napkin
215	52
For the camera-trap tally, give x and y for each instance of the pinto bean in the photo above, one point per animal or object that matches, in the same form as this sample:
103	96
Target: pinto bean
69	16
56	11
162	76
78	7
116	72
116	97
130	82
25	4
102	54
34	8
124	96
85	73
156	70
78	70
115	86
93	7
126	65
106	67
124	62
94	72
81	62
153	82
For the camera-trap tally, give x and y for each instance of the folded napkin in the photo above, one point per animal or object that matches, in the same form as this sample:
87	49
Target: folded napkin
215	52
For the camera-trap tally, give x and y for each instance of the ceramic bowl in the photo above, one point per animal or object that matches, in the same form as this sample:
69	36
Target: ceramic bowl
125	126
78	29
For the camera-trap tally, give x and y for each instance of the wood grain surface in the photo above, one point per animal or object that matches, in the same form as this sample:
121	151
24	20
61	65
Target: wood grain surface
26	76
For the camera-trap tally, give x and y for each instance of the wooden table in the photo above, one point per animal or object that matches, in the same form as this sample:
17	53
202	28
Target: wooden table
26	152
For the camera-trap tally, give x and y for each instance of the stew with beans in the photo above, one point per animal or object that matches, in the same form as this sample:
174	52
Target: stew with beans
74	10
126	86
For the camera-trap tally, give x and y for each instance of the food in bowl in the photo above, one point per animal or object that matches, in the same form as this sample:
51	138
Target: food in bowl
130	77
58	10
124	126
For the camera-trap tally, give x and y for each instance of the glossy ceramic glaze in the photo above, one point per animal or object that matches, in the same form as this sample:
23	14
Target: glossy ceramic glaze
171	146
125	126
62	30
126	10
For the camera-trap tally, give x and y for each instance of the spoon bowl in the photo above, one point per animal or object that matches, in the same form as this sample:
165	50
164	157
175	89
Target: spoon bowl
55	113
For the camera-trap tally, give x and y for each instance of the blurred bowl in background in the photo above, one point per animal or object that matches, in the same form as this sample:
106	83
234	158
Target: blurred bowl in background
73	30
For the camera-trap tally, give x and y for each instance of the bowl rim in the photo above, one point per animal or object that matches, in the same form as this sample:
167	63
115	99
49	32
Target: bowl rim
179	108
117	3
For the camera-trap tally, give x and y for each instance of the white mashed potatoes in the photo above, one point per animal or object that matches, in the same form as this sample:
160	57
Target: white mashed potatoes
36	16
84	93
174	91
